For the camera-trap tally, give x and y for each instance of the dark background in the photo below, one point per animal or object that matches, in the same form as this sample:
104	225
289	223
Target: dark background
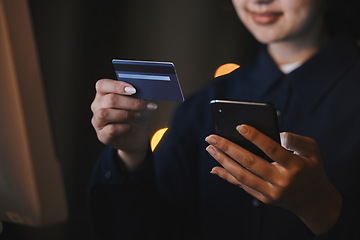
77	39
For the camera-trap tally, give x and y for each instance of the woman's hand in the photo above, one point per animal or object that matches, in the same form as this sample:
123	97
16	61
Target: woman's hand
121	121
295	180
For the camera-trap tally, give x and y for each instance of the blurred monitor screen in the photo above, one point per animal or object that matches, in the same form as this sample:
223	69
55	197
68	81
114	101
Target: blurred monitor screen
31	187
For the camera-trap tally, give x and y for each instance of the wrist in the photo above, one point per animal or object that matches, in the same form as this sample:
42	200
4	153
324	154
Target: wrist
132	160
323	210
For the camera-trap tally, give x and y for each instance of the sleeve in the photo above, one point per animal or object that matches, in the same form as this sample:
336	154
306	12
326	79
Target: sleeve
121	204
348	224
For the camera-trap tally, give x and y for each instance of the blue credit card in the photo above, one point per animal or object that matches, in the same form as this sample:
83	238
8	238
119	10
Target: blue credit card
152	80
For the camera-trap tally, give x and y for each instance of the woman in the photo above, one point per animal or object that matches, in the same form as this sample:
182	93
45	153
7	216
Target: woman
310	74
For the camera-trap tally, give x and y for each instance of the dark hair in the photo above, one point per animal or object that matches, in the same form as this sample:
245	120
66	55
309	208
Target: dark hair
341	17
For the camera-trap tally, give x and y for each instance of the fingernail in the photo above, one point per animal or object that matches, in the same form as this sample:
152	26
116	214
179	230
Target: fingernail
211	150
151	106
213	171
211	140
242	129
130	90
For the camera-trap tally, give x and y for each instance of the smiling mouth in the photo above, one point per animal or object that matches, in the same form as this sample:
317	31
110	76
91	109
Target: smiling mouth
265	18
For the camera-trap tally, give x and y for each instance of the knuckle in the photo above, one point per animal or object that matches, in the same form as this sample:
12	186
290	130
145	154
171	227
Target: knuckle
231	179
97	121
223	145
95	103
300	166
137	104
110	134
125	116
275	196
101	115
281	185
101	136
99	85
221	160
93	107
286	180
295	170
107	134
119	87
111	100
271	149
93	122
248	161
112	131
240	177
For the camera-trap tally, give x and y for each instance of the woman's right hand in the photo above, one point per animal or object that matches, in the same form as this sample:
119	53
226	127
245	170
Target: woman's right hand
122	121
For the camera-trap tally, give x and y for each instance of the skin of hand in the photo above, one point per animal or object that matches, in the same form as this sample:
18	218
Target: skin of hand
121	121
296	180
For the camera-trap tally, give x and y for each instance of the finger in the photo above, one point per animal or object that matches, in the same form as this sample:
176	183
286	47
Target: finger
105	116
221	172
245	158
303	146
243	176
116	101
111	132
270	147
95	103
256	194
106	86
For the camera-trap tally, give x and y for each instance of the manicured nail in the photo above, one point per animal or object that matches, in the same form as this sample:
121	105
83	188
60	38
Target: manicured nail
242	129
130	90
151	106
211	150
211	140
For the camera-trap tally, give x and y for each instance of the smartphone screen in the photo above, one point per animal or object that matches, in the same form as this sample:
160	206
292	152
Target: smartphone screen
227	115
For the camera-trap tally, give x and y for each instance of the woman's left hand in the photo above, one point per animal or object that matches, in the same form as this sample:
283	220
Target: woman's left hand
295	180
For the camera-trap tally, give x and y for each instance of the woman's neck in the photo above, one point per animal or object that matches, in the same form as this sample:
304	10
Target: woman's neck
298	49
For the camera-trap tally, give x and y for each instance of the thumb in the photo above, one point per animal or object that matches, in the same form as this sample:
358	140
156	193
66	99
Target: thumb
300	145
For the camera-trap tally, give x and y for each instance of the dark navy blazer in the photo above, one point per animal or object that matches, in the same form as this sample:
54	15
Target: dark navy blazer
173	195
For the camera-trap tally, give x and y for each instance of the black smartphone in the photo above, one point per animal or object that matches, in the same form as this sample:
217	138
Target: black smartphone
227	115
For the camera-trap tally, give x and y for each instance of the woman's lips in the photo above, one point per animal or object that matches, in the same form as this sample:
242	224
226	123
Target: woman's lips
265	18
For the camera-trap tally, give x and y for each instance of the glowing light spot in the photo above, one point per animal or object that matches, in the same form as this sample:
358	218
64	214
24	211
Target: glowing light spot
225	69
157	137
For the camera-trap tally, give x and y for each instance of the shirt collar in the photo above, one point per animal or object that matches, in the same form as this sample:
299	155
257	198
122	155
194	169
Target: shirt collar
266	73
312	80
